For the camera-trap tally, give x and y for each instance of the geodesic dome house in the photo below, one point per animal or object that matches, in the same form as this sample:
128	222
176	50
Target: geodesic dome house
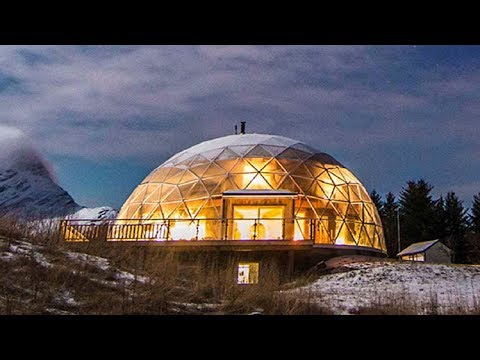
253	188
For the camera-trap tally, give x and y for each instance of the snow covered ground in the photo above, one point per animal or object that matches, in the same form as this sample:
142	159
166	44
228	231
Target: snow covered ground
355	284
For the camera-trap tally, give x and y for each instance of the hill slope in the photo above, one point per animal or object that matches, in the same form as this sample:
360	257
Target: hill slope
355	284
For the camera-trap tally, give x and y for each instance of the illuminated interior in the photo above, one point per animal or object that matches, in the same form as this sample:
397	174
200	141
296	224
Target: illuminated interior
414	257
258	222
247	273
191	185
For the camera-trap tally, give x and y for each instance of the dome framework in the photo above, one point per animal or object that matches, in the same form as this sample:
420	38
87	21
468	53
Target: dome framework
255	187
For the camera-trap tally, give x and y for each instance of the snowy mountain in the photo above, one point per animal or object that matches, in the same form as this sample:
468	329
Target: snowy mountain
28	188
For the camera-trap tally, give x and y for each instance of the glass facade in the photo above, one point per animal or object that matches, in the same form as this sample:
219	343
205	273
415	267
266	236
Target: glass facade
188	190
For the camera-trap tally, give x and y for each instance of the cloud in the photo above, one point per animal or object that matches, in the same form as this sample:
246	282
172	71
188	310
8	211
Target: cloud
148	102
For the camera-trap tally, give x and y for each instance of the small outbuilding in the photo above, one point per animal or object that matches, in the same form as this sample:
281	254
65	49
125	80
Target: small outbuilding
432	251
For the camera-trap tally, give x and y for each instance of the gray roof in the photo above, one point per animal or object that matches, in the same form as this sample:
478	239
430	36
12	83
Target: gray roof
418	247
255	192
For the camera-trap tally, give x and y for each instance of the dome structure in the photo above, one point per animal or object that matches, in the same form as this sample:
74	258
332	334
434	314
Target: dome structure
256	187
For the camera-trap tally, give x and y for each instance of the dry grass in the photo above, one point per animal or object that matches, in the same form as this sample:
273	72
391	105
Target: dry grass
162	283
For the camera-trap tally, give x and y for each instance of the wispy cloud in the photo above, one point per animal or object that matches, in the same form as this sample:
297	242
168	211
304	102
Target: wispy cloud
148	102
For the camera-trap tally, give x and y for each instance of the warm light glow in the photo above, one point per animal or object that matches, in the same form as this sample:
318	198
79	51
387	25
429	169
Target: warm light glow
187	230
247	273
299	225
340	241
258	222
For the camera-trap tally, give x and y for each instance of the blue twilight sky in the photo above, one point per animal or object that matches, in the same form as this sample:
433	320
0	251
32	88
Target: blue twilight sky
105	116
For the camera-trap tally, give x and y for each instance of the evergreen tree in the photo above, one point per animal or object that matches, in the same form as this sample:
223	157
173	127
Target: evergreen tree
440	228
389	221
475	214
377	200
417	213
456	225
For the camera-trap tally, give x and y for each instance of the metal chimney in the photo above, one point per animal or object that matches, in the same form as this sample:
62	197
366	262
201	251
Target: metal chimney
235	129
242	127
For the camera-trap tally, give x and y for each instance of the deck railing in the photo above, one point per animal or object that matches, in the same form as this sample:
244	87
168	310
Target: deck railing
187	229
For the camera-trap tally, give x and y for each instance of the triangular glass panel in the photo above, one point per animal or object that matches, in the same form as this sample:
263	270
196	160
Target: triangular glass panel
132	209
211	209
185	190
185	163
339	196
368	213
227	165
341	208
335	179
199	170
195	206
317	191
242	180
160	175
313	209
289	184
364	193
323	235
327	189
300	205
275	179
301	230
188	176
303	171
228	184
288	154
274	150
241	150
273	167
355	211
258	152
343	190
258	182
337	174
139	193
354	193
289	165
339	234
348	176
166	190
147	209
258	163
153	195
226	154
174	176
174	195
199	160
213	170
137	214
197	191
302	154
182	212
212	154
314	170
212	185
325	178
156	214
243	167
168	209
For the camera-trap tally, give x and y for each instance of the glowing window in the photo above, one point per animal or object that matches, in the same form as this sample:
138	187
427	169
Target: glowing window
247	273
258	222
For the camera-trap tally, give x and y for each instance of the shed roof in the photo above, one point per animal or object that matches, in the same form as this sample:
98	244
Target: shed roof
418	247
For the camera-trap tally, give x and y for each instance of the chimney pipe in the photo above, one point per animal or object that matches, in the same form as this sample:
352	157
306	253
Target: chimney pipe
235	129
242	127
